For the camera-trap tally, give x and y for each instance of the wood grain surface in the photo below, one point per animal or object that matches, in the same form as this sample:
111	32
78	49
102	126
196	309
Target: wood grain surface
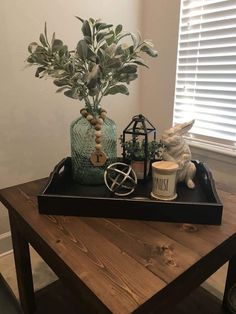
123	266
56	298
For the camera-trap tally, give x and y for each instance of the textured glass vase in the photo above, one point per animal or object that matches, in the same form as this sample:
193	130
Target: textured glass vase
83	145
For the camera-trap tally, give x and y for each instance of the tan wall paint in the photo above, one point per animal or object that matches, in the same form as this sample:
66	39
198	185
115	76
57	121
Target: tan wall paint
34	120
160	23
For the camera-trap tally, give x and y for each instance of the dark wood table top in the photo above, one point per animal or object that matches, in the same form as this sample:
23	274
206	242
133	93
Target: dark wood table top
128	266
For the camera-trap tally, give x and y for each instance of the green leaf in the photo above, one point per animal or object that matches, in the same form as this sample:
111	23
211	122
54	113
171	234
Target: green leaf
39	50
135	40
151	52
100	36
79	18
110	50
113	63
129	69
32	47
88	39
148	42
43	40
82	49
46	33
141	63
57	45
60	82
94	73
118	29
117	89
127	77
103	46
101	55
131	49
110	38
132	77
53	38
69	67
119	37
72	93
38	71
91	55
63	50
119	50
61	89
86	29
78	76
93	91
31	59
91	20
101	26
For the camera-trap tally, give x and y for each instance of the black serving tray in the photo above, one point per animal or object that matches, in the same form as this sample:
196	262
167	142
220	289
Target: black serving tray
63	196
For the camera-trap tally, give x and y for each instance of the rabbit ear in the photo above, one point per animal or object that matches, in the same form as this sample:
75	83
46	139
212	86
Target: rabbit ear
185	127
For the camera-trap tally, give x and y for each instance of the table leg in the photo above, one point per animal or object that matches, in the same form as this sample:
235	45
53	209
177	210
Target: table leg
23	268
230	281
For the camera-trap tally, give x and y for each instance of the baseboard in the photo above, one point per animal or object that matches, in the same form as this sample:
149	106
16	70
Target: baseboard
5	243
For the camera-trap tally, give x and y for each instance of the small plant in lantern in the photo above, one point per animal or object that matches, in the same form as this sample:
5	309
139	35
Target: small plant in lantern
138	148
135	149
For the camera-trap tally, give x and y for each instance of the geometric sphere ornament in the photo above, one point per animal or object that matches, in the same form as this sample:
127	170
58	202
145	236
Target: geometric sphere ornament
120	179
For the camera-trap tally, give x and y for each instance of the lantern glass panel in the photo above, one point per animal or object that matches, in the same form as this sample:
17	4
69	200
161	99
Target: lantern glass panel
138	139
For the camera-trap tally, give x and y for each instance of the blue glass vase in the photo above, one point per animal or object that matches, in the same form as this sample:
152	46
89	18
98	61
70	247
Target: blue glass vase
82	135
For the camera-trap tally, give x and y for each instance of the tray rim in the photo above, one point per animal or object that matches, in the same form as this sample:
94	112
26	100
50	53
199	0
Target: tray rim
114	198
45	200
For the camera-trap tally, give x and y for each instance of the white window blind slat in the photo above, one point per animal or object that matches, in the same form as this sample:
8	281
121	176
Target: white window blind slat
189	4
212	88
196	5
186	31
221	36
205	95
202	63
206	68
209	45
208	110
212	79
202	102
210	9
207	55
209	19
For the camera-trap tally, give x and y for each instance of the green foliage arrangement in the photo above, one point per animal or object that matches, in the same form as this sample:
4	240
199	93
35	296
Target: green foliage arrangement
135	149
102	64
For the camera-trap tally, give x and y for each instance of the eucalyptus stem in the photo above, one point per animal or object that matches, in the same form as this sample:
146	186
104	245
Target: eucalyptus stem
88	104
99	65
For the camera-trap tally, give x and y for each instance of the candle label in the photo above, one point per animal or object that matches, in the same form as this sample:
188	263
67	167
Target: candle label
164	185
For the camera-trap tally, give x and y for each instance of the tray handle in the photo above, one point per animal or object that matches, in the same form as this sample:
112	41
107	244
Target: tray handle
208	180
60	169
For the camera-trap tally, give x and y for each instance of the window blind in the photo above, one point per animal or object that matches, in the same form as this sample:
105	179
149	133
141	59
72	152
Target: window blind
206	69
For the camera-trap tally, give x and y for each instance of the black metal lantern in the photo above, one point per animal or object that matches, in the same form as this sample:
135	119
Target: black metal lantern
135	142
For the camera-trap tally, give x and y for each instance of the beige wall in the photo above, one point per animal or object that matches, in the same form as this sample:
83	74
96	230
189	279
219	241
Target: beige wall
160	21
34	120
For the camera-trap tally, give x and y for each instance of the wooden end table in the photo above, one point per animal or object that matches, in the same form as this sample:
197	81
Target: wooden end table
118	266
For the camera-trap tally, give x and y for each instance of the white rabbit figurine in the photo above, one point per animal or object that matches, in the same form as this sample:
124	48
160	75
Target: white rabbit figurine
178	151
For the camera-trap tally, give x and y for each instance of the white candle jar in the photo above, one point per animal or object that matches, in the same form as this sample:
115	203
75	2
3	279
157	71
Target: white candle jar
164	180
